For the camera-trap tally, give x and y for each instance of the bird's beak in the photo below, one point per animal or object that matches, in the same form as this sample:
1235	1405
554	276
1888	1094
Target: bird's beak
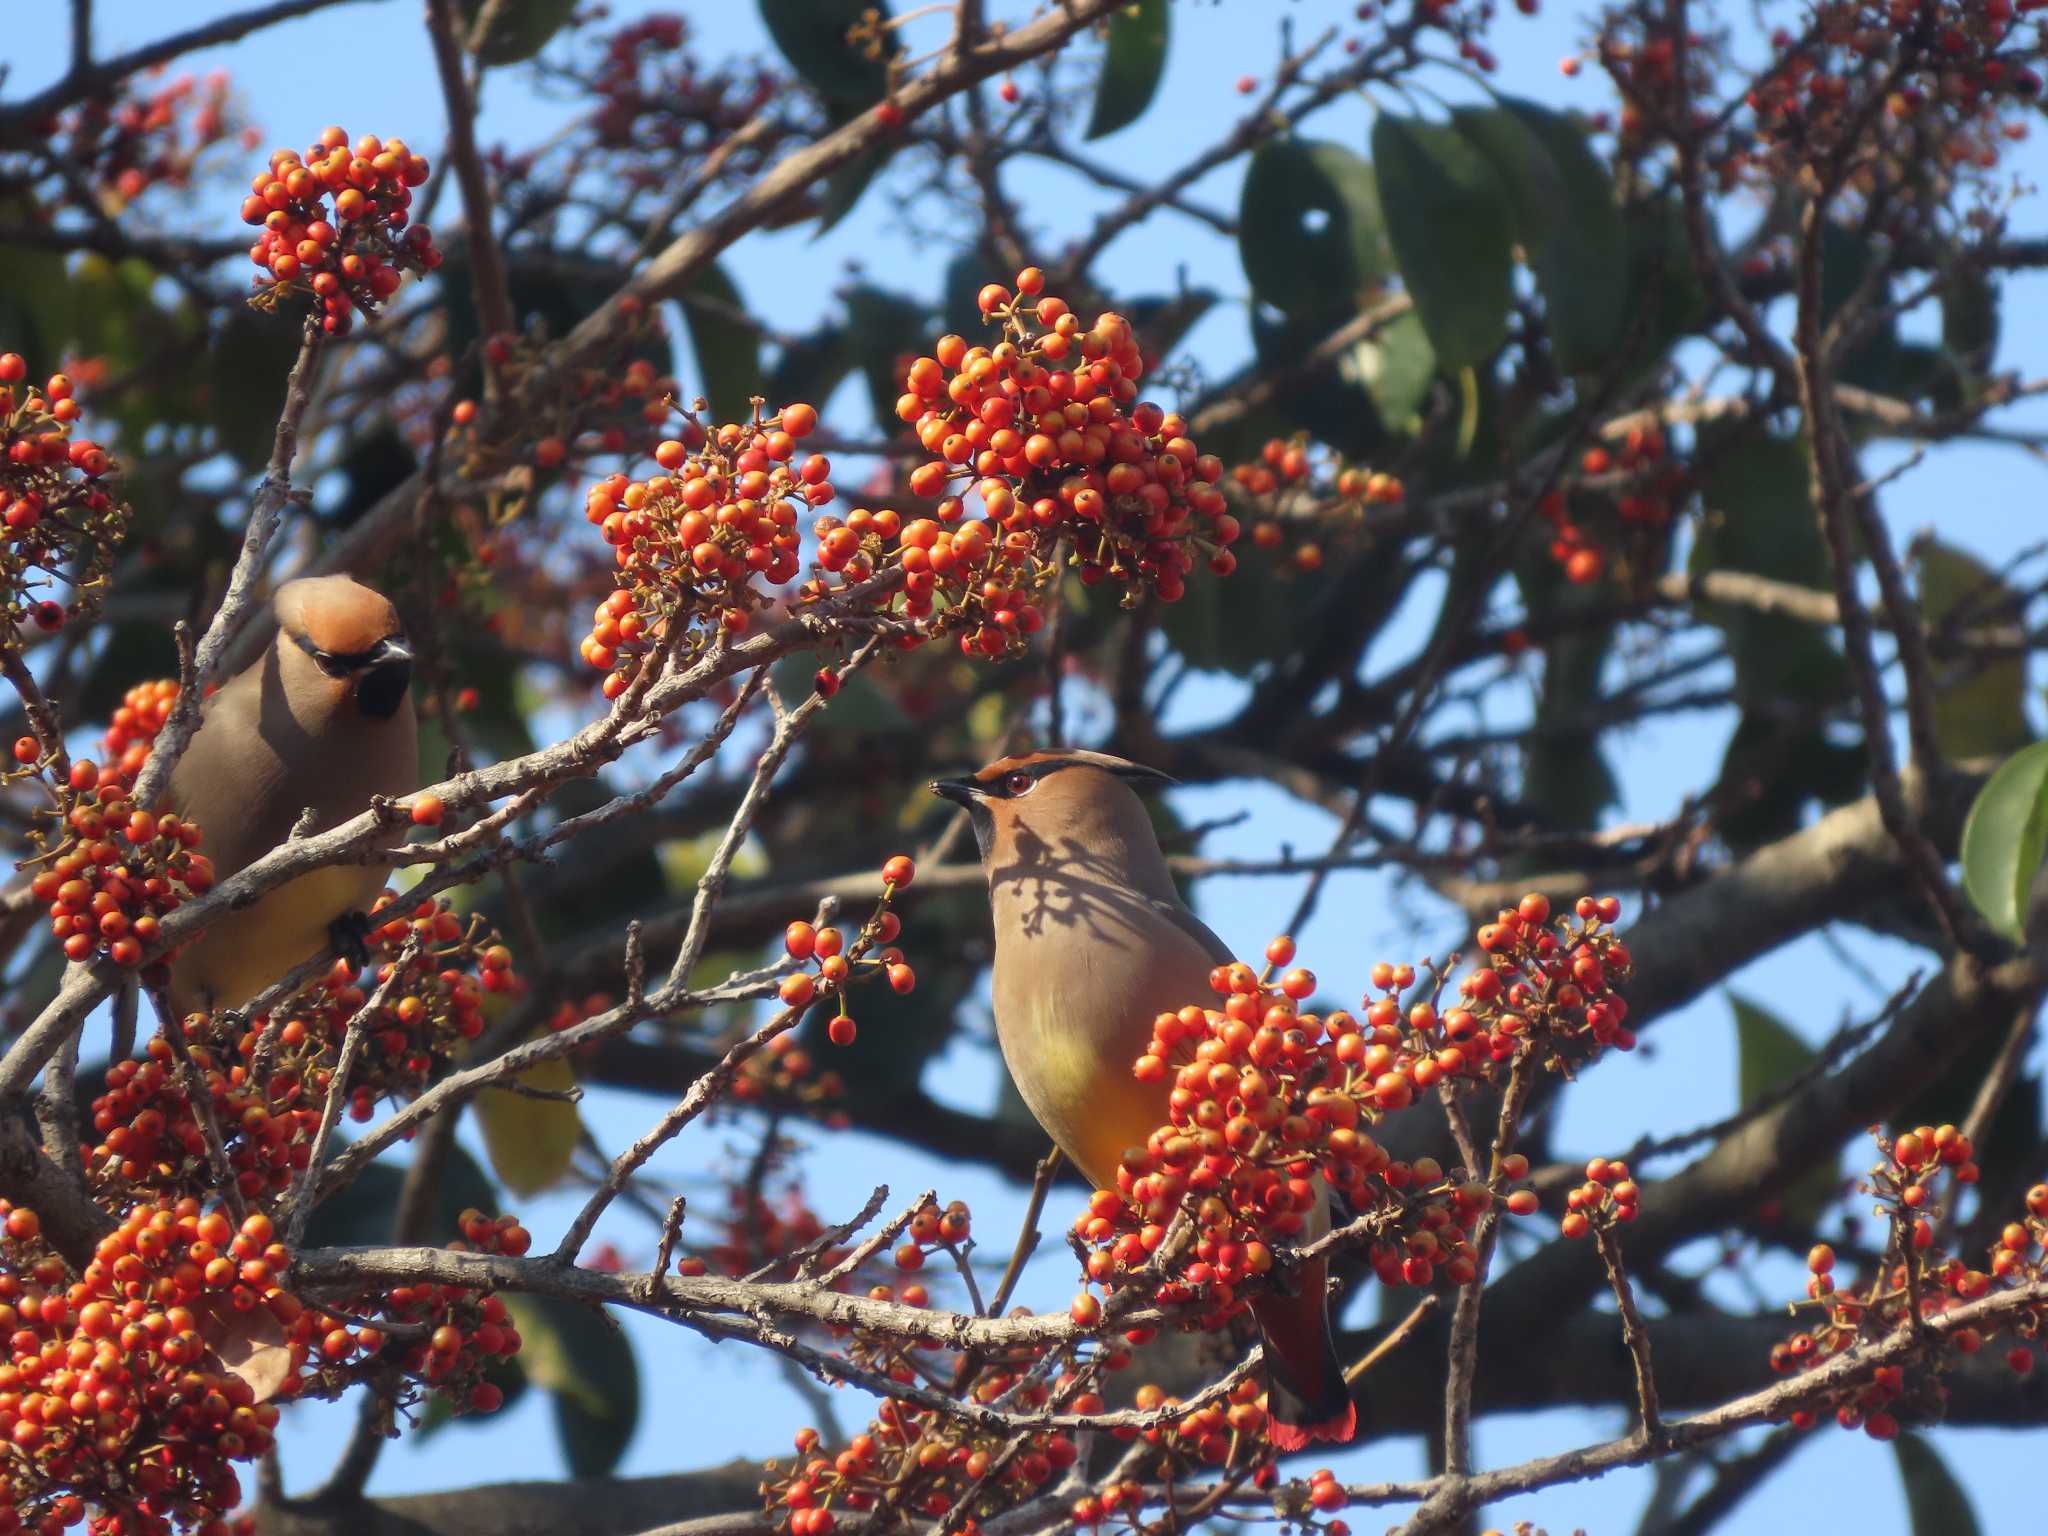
390	648
959	791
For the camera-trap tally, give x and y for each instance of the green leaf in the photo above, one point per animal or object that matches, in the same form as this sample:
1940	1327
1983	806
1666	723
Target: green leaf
1847	262
727	344
531	1141
814	36
1661	272
1760	520
843	188
966	274
883	327
1241	627
810	367
1982	713
519	28
1447	218
1937	1504
246	369
580	1355
860	704
2004	837
1310	233
1131	67
35	296
1334	404
1767	1054
1396	368
1162	322
1563	769
1969	318
360	1216
1565	220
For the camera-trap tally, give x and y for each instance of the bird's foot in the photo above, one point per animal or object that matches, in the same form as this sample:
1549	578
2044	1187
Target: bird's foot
350	935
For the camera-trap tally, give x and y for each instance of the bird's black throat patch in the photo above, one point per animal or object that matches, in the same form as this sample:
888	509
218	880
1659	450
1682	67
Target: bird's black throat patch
381	689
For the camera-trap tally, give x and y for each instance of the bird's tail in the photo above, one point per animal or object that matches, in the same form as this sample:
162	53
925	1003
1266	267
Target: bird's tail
1306	1398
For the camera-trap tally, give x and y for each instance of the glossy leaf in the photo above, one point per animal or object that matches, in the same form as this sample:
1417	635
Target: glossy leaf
531	1141
1397	367
1334	404
580	1356
1847	266
1936	1503
360	1216
1132	66
1310	232
842	189
519	28
1969	318
884	329
1447	219
1760	521
1565	220
1768	1054
1982	711
2004	838
246	368
1662	272
35	295
1163	322
1241	626
814	35
1564	770
727	344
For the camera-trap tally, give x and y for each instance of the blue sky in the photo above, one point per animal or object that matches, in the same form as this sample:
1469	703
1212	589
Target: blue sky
367	67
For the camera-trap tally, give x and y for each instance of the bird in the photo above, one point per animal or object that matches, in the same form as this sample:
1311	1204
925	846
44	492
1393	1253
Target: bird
1092	943
321	722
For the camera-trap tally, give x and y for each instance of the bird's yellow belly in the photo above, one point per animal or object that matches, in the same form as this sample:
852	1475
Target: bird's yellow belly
244	952
1078	1085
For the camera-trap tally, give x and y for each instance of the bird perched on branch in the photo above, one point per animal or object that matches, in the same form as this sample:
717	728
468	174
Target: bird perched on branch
321	722
1092	944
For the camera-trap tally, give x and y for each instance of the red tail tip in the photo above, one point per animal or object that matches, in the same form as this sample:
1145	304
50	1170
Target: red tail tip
1297	1437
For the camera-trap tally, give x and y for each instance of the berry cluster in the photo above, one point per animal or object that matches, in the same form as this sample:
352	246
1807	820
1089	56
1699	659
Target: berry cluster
58	521
1638	483
653	96
110	869
1282	491
136	1386
1947	68
438	1338
688	542
1915	1274
915	1459
353	255
152	1139
785	1073
127	143
1265	1097
563	414
132	1388
827	948
1047	426
433	1008
1607	1199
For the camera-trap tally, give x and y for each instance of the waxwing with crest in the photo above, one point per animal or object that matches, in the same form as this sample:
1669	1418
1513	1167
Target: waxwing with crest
321	722
1093	943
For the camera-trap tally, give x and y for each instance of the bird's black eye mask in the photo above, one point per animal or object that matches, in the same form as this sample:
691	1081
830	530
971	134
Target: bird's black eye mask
382	673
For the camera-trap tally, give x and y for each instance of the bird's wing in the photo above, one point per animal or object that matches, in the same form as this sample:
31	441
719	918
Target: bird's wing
1194	928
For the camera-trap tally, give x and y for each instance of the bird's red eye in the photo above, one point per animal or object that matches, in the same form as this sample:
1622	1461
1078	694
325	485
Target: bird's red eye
1018	784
